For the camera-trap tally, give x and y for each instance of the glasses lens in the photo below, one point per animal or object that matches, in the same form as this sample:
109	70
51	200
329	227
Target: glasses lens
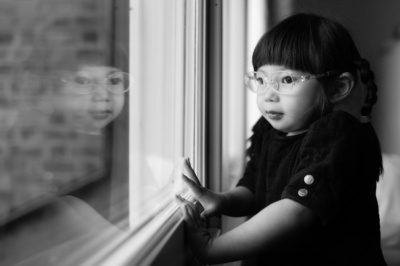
254	82
81	82
119	82
283	82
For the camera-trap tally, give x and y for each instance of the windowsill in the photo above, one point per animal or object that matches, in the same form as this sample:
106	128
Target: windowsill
153	244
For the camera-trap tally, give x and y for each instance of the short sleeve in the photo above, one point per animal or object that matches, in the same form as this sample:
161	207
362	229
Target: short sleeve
328	164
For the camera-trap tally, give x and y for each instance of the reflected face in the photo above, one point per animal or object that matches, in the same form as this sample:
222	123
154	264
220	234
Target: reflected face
292	112
87	97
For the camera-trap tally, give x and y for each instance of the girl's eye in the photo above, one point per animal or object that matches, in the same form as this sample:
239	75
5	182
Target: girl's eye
287	80
81	80
260	80
115	81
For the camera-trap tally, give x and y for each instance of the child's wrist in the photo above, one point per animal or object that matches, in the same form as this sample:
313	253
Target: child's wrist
224	201
203	250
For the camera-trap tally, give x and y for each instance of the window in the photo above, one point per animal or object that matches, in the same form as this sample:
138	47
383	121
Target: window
100	100
64	90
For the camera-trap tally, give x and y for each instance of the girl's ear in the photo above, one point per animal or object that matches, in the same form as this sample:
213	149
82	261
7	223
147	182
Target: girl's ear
343	86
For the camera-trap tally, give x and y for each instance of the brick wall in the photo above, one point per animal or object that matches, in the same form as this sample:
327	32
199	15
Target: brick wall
39	155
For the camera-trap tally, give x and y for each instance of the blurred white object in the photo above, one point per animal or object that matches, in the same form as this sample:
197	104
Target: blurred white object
388	195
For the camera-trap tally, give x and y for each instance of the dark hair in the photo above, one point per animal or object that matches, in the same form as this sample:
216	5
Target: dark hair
315	44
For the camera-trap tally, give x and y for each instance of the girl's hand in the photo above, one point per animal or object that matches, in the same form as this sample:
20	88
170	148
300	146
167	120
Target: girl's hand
212	202
196	232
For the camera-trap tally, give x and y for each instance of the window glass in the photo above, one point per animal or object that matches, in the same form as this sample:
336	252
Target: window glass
156	135
65	83
57	68
94	98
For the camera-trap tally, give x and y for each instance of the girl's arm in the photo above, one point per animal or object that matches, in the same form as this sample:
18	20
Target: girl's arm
276	223
238	202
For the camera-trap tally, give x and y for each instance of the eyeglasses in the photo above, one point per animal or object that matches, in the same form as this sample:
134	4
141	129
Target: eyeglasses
281	82
85	83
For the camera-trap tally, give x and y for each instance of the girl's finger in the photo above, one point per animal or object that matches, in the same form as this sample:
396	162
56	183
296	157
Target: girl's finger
197	189
190	217
188	170
186	213
195	218
182	201
190	212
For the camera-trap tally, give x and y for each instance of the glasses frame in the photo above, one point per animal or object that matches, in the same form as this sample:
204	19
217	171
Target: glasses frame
301	78
92	86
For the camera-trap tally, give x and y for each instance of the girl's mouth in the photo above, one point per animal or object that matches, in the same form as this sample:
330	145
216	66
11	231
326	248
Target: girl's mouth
100	115
274	115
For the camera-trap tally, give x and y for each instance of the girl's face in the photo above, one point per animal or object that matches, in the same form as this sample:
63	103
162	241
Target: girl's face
290	113
93	111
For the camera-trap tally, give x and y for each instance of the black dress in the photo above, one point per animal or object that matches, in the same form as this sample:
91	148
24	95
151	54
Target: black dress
332	169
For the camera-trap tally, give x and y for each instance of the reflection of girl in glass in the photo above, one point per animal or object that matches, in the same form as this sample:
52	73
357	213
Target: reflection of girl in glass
72	97
92	97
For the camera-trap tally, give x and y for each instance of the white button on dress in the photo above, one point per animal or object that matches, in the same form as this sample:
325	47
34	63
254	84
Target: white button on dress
308	179
302	192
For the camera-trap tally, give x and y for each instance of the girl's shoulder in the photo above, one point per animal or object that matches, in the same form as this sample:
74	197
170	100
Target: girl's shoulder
342	130
340	133
337	127
337	122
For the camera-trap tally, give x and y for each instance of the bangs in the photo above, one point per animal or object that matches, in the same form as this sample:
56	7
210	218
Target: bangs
296	44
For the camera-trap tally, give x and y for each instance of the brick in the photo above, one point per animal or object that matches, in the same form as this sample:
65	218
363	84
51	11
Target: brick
90	54
33	152
90	5
59	166
6	38
3	53
57	118
58	151
6	70
87	21
90	36
87	151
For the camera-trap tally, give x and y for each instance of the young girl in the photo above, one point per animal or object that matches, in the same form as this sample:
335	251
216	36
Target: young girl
314	160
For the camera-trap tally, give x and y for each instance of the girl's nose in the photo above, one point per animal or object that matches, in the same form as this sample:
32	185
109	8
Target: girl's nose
100	92
270	95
